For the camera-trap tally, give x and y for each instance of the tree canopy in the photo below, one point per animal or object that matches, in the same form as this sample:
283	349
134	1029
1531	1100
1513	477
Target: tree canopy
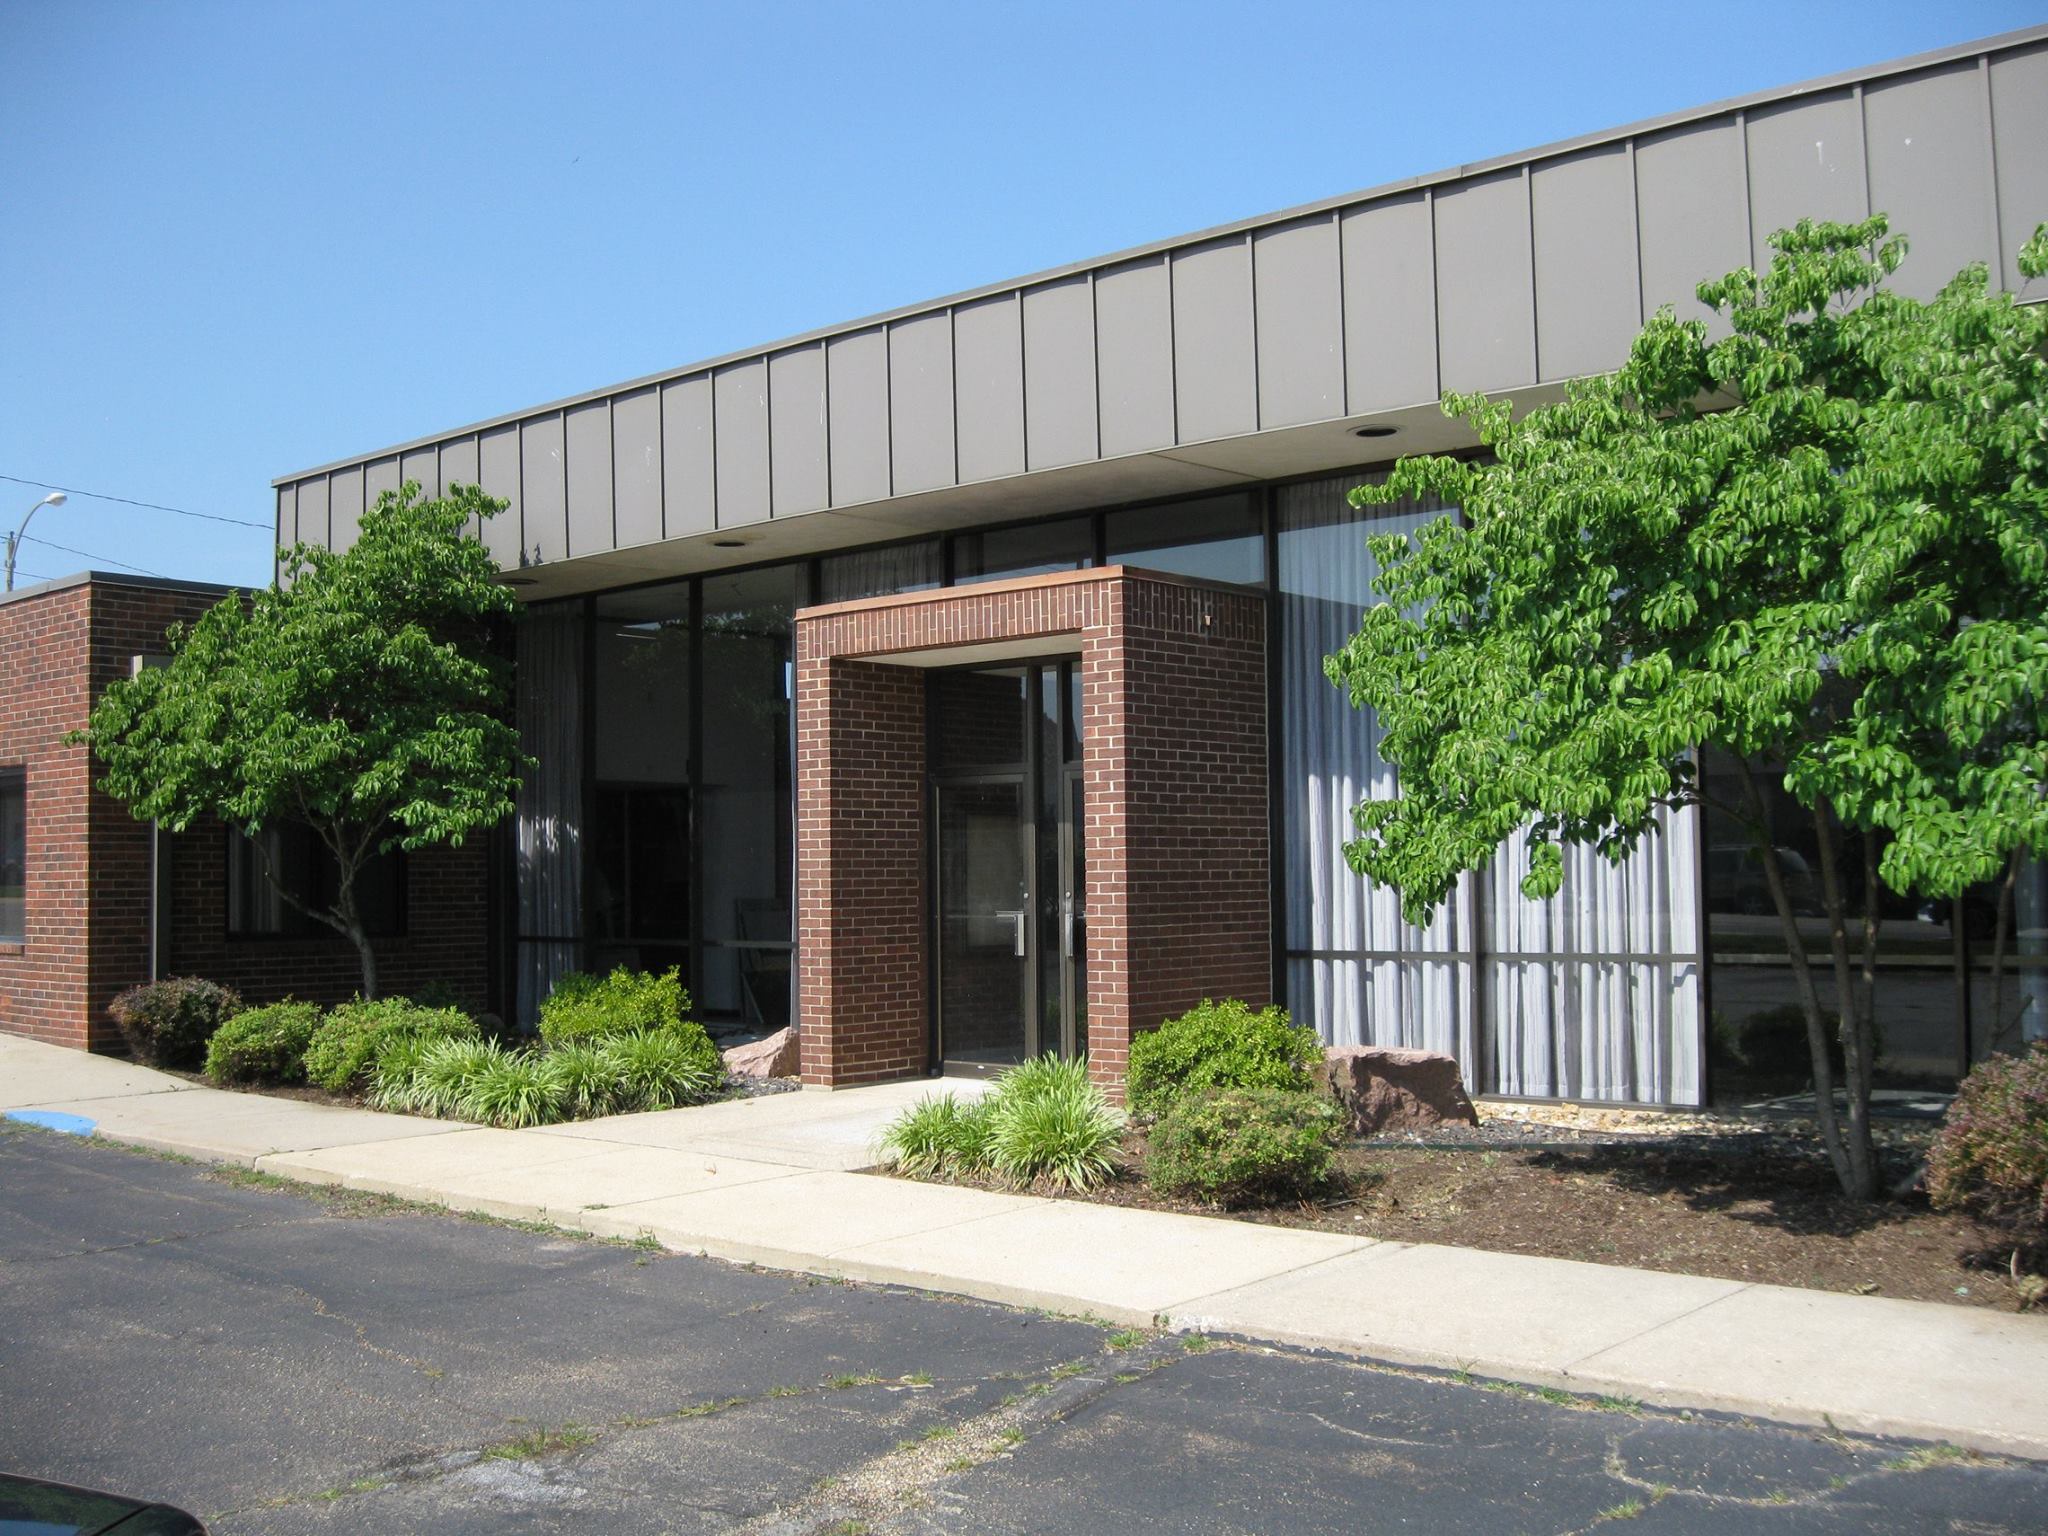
1819	541
359	696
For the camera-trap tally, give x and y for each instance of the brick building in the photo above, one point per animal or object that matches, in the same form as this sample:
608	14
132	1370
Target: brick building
93	901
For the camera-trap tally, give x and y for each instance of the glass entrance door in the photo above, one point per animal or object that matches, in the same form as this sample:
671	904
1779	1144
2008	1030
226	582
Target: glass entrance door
1008	889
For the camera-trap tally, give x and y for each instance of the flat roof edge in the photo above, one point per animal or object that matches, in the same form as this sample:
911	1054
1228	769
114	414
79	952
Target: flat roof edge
1770	96
116	579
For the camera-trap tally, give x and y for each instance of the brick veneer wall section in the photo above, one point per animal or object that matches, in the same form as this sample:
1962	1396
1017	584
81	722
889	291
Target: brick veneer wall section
1174	765
88	860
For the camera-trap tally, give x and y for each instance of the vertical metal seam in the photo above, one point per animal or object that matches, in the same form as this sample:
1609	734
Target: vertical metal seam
1251	289
1172	350
1991	169
1862	143
661	458
1095	359
1535	313
768	431
953	382
889	405
1748	186
711	438
562	417
1023	392
611	437
825	409
1436	307
1635	214
1343	318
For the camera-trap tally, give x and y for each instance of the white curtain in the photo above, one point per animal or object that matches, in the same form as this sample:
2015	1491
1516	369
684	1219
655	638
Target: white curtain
550	823
1606	1004
1610	1011
880	572
1357	971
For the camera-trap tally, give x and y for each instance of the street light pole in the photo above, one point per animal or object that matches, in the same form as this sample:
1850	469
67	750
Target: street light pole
54	499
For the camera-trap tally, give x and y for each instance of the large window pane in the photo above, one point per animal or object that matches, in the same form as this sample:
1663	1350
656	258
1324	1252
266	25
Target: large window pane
548	831
639	896
745	823
13	856
881	572
1214	539
299	863
1034	550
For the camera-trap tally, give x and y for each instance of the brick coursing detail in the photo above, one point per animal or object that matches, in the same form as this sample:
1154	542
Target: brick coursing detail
1174	760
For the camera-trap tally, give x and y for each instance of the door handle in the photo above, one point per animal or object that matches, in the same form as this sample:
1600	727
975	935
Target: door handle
1067	926
1018	919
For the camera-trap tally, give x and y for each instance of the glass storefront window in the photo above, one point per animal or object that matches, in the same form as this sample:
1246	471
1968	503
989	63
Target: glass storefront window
881	572
1036	549
1217	538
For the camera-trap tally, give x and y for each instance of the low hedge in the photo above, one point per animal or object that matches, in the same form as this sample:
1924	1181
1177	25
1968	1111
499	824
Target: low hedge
1245	1146
343	1053
263	1045
583	1007
167	1023
1990	1158
1219	1046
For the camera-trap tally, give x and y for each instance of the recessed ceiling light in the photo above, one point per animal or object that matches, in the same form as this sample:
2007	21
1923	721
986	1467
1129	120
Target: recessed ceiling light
1374	431
517	581
728	543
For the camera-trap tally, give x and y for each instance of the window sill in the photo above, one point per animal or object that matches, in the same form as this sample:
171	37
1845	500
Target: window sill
8	947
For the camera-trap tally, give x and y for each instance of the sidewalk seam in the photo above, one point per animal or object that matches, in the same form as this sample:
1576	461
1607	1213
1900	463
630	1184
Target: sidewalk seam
1368	1245
1643	1333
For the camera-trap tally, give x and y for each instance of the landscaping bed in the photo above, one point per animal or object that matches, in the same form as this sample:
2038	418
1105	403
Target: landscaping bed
1741	1202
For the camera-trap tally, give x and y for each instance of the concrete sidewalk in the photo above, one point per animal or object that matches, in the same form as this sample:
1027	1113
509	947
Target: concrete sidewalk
769	1181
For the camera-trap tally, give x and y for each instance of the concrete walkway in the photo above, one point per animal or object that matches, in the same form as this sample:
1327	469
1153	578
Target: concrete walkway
769	1181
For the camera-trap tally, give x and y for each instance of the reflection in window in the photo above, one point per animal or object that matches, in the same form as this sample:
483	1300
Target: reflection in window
13	856
747	853
300	863
1217	538
638	902
1036	549
881	572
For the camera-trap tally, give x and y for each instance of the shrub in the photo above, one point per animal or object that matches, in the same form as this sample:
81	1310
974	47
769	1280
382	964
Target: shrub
343	1052
939	1136
1048	1124
167	1023
1991	1155
263	1045
510	1089
1244	1146
664	1068
1041	1122
1217	1046
586	1007
589	1079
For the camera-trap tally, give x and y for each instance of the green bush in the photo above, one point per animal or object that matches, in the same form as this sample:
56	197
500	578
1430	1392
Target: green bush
1041	1122
665	1068
263	1045
512	1089
432	1079
167	1023
939	1136
583	1007
589	1080
342	1055
1217	1046
1244	1146
1991	1155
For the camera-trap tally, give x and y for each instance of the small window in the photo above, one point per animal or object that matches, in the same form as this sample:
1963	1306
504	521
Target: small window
13	855
305	868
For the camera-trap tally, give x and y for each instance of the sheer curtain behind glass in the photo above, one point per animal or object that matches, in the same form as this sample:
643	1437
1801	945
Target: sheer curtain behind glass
549	838
880	572
1356	971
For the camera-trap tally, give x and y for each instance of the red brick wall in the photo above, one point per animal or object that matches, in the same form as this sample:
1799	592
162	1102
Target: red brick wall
88	880
43	656
861	913
1174	762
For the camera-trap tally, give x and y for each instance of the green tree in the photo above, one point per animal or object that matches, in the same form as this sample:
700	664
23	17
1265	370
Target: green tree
359	697
1819	541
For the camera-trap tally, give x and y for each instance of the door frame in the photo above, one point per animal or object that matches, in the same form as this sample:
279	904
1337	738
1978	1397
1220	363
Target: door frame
1028	777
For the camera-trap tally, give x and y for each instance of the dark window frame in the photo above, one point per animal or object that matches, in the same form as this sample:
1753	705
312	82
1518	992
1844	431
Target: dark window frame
14	783
396	926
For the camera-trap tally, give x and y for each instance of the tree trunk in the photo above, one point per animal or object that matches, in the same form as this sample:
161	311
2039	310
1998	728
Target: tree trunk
1802	977
350	922
1854	1025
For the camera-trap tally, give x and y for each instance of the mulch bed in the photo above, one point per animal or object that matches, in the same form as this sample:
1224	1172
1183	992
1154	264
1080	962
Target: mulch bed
1742	1201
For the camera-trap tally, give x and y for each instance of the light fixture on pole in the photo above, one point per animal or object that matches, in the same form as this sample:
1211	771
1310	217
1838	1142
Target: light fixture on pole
54	499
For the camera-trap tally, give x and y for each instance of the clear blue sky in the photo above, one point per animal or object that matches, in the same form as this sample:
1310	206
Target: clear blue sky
243	239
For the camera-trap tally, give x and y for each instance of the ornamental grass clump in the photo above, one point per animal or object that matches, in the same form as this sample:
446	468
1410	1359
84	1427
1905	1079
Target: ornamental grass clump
1244	1146
439	1080
263	1045
589	1080
168	1023
1041	1123
1991	1156
665	1068
512	1090
1217	1046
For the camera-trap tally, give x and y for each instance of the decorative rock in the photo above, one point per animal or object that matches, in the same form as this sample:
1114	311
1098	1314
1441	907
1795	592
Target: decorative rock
1384	1089
771	1056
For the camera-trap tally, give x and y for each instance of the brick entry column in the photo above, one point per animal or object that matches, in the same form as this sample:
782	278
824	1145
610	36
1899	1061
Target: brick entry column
1173	681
